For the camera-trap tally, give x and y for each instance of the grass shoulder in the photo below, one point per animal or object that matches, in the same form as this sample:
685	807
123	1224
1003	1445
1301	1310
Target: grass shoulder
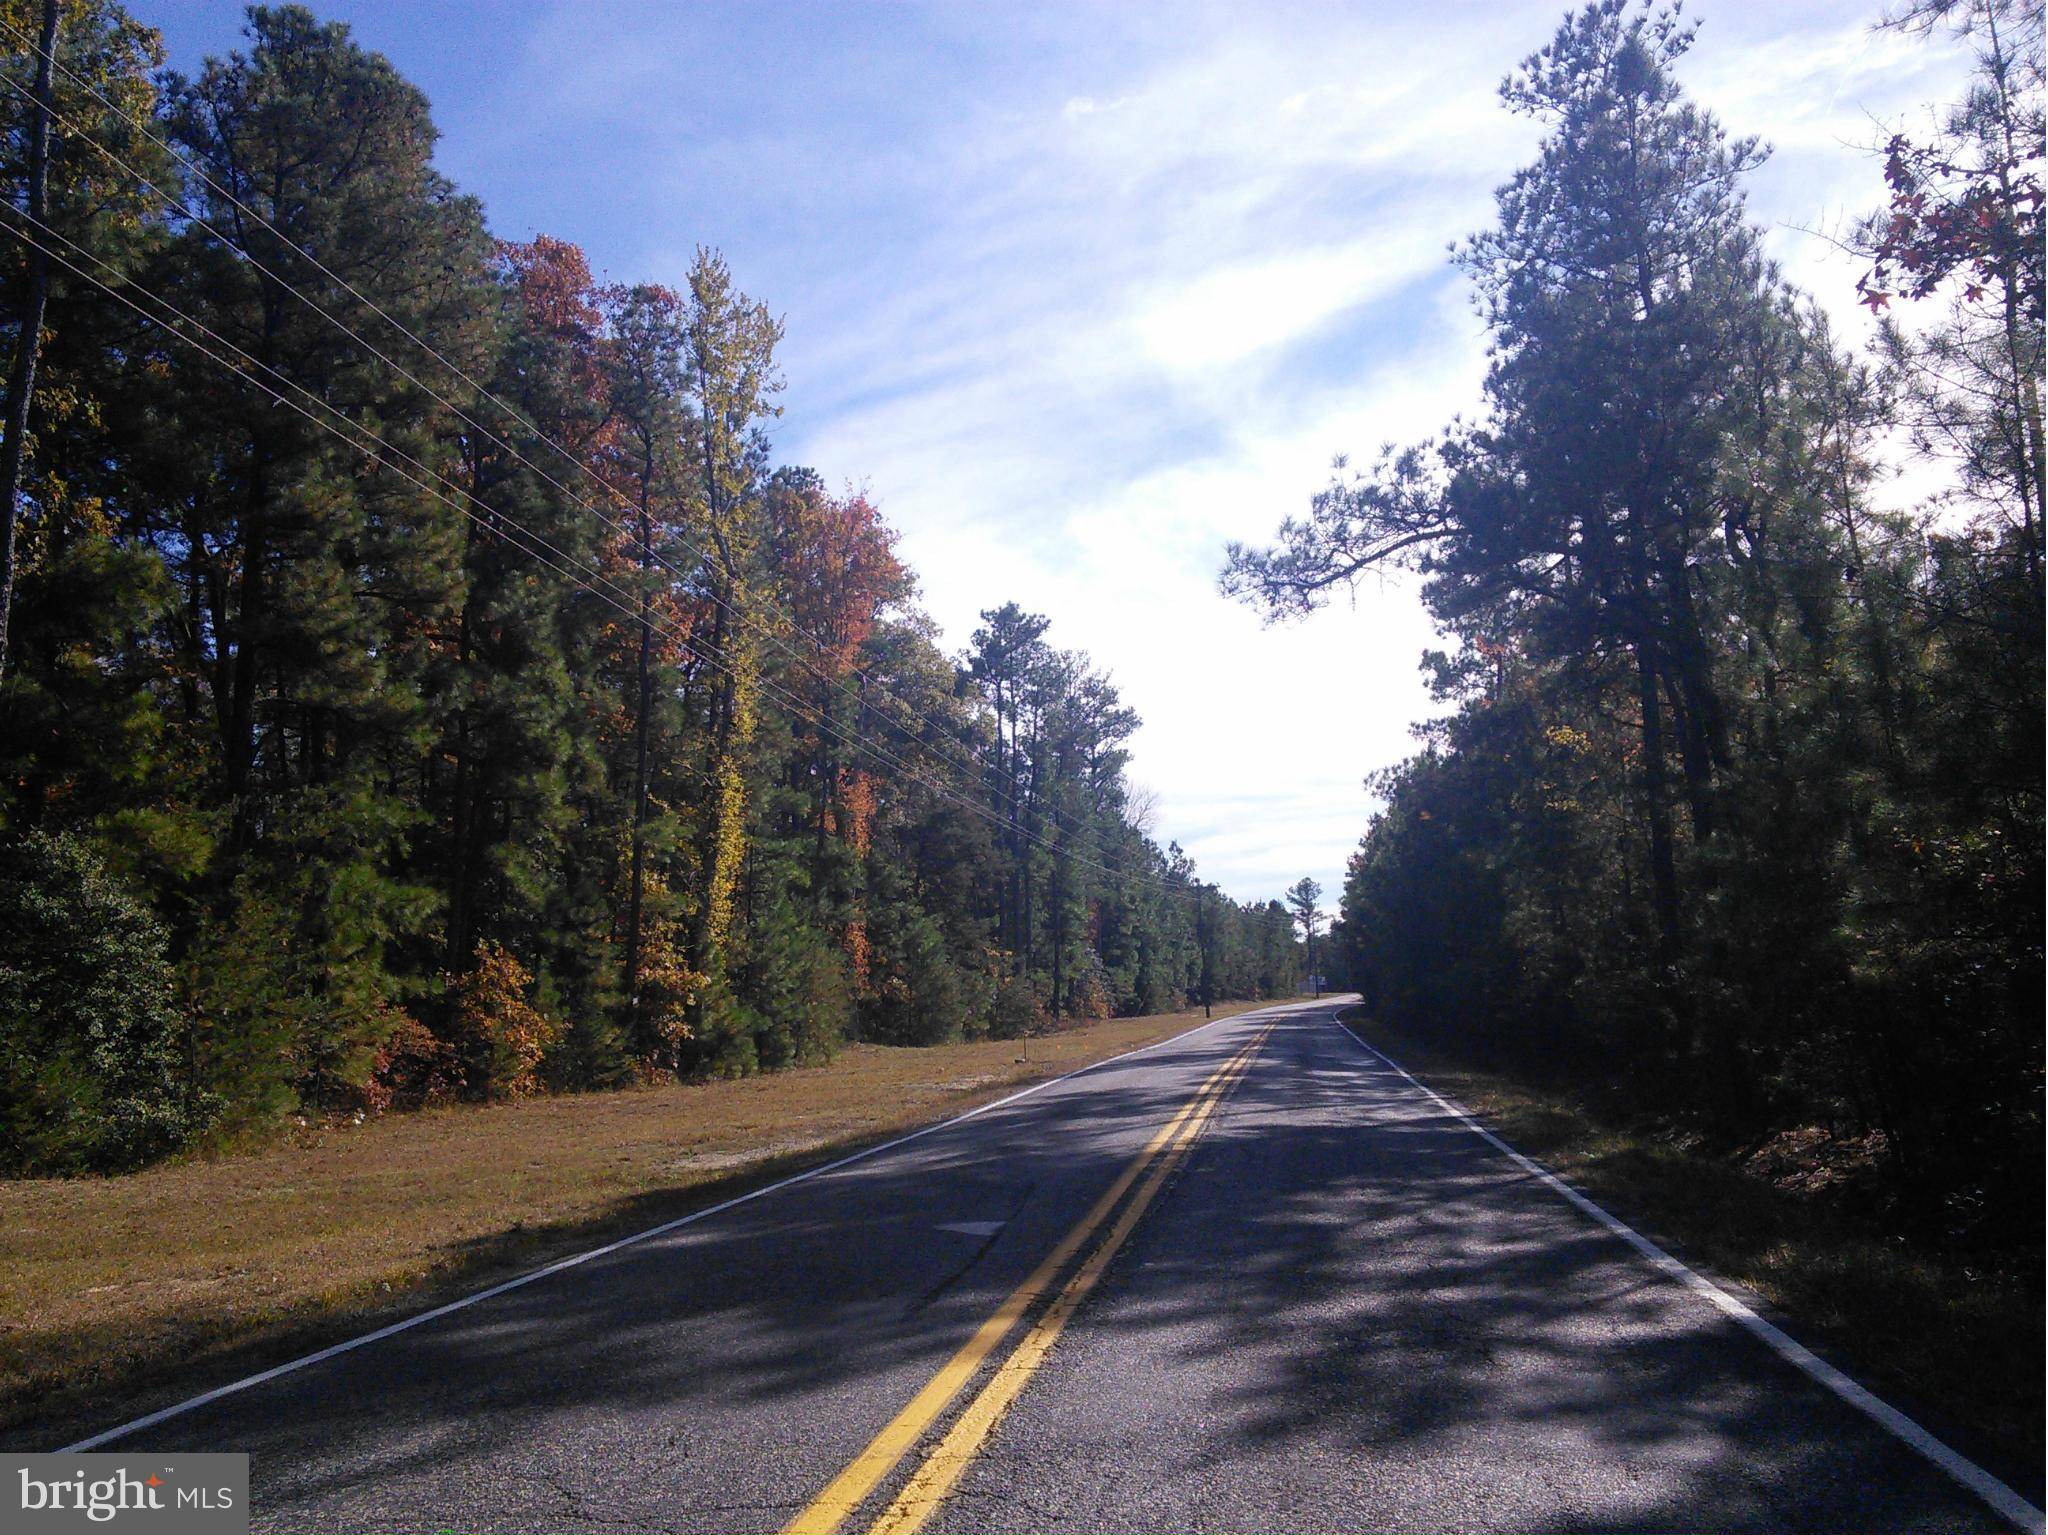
121	1294
1955	1343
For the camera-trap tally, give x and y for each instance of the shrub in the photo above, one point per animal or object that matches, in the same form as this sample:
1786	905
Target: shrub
721	1041
1018	1011
90	1043
414	1068
500	1036
798	987
917	994
247	1019
1088	998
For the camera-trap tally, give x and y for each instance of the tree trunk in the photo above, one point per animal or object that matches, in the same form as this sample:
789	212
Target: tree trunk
826	786
1027	821
2028	464
719	846
636	894
21	378
707	845
1663	866
722	837
462	818
239	754
1056	895
1702	723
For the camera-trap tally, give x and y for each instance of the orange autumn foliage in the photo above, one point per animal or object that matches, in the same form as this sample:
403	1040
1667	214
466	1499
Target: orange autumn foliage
500	1035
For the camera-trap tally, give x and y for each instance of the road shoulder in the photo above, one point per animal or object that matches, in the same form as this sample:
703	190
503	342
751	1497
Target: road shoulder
1955	1351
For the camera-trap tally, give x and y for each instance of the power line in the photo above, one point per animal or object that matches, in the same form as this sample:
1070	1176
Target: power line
1007	791
489	519
462	415
495	521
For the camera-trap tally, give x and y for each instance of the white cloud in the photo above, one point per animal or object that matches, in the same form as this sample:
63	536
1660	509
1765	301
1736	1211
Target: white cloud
1088	106
1233	312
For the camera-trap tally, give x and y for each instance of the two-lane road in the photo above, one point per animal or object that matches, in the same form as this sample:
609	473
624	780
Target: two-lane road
1250	1279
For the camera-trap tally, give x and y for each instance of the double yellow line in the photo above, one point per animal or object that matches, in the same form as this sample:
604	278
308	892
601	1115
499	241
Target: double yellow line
934	1479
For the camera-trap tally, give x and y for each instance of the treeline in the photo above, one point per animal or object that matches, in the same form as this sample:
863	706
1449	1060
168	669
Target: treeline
421	680
1738	814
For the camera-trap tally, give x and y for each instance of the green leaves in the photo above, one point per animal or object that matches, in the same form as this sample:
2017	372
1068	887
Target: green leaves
438	689
1736	803
93	1062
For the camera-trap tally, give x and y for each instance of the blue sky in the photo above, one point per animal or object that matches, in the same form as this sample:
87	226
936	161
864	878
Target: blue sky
1081	291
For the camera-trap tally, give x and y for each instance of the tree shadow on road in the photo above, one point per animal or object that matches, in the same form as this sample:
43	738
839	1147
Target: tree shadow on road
1406	1308
1343	1286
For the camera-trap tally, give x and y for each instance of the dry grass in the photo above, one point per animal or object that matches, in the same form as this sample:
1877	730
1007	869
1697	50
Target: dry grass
1948	1342
118	1293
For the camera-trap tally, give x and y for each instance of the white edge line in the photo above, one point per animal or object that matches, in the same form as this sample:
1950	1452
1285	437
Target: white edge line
463	1303
1966	1471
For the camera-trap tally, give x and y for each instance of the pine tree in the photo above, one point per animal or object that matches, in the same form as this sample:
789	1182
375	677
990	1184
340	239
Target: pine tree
321	589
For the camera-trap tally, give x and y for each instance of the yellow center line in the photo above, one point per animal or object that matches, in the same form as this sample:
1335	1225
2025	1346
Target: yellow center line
933	1480
839	1499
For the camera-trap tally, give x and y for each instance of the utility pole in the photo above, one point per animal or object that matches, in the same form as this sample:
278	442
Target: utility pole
21	379
1205	928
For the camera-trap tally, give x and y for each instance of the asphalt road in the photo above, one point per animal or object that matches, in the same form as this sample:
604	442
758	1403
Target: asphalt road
1324	1305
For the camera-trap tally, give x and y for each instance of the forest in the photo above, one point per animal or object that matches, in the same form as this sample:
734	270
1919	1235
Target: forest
1734	811
420	681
